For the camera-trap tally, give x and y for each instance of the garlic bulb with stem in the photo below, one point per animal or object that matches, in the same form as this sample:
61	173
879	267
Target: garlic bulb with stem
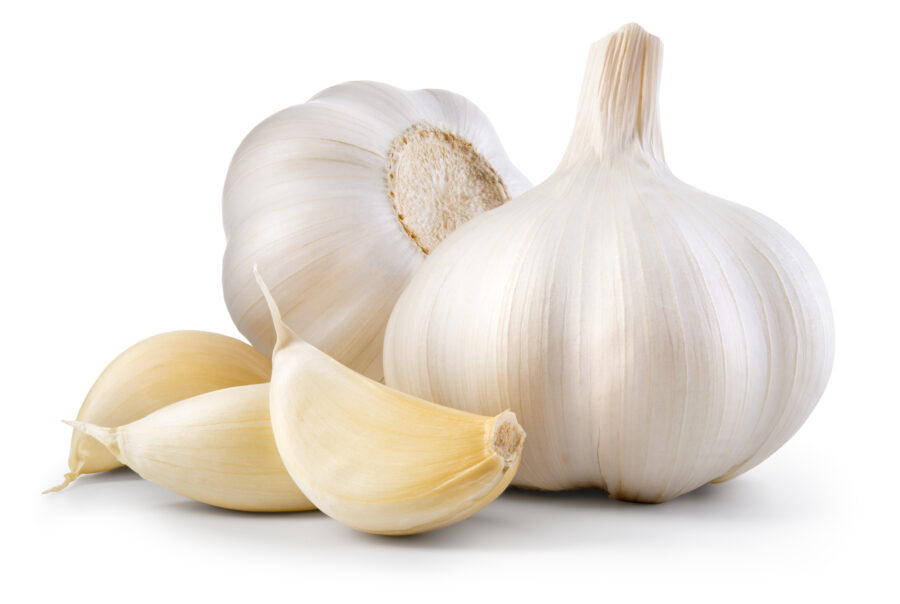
650	337
342	198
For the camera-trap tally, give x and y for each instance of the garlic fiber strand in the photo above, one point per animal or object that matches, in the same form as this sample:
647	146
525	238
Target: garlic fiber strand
341	199
650	337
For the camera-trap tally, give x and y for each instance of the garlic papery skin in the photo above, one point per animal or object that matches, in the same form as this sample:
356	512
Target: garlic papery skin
342	198
650	337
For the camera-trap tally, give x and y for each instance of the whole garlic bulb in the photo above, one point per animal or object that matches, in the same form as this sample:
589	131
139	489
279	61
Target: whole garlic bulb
342	198
651	338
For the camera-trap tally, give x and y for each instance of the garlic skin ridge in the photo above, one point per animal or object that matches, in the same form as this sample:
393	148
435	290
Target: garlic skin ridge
650	337
341	199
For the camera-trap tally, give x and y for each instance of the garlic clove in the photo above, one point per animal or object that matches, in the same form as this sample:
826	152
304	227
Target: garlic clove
376	459
216	448
153	373
342	198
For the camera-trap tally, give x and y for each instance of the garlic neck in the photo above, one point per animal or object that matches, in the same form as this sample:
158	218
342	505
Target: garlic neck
437	181
619	109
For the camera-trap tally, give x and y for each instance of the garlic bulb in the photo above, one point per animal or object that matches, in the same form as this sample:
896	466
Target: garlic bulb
342	198
650	337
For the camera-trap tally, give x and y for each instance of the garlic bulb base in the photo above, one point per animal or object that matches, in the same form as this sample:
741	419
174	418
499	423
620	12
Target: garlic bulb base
437	181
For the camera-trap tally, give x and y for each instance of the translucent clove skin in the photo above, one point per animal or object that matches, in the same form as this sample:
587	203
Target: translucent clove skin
216	448
376	459
153	373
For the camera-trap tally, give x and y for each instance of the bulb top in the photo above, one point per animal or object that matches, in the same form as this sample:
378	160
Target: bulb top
619	106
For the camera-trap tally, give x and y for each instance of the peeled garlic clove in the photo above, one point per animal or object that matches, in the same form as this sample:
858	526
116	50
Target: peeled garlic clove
216	448
650	337
342	198
376	459
154	373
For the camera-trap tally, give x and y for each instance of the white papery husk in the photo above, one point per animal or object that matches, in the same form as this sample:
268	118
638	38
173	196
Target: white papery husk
650	337
307	197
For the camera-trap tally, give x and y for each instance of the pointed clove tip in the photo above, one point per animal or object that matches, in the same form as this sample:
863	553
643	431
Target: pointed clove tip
82	427
283	333
68	479
267	294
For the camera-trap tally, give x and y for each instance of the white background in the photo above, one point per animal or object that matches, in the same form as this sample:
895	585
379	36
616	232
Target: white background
117	127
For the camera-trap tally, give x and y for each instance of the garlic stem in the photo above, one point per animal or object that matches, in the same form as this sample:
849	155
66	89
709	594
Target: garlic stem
619	107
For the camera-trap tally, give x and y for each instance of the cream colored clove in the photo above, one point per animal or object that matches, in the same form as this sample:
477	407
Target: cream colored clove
216	448
153	373
376	459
